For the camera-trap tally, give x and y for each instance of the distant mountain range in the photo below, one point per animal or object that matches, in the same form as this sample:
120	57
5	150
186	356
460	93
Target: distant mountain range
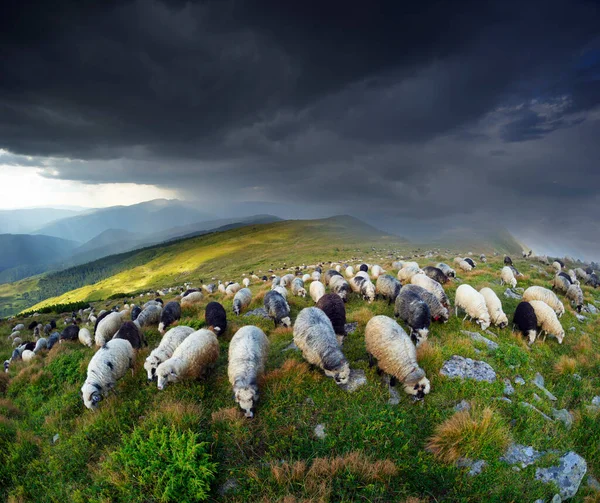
29	220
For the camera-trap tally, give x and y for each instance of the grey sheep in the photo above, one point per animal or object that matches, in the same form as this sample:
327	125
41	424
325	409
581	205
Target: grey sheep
241	300
149	316
388	287
340	287
437	310
277	308
169	315
414	311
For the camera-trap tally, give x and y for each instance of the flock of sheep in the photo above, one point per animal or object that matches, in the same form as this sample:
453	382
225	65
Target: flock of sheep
417	293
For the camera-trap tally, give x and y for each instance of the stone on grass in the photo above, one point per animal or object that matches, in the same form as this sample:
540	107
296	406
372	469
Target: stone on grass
596	401
508	387
290	347
593	483
592	309
261	312
491	345
462	405
459	367
519	380
475	466
350	327
580	317
529	406
357	379
567	475
229	486
538	380
564	416
512	295
320	431
556	499
522	455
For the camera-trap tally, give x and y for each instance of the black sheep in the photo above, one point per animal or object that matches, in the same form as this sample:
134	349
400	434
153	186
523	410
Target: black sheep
318	269
507	260
135	312
264	278
334	308
29	346
169	315
159	300
53	324
525	320
593	280
562	264
130	332
70	333
413	310
277	308
566	276
470	262
215	317
436	274
363	267
32	325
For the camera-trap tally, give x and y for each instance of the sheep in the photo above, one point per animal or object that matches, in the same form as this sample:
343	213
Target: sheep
153	303
280	290
32	325
169	315
396	355
572	275
317	290
188	291
433	287
109	326
364	287
561	283
376	271
593	280
414	311
363	267
215	317
53	339
107	366
298	287
575	295
70	333
581	274
525	321
314	335
547	320
14	334
191	358
135	312
275	281
545	295
436	274
473	303
242	300
470	261
170	341
277	308
27	355
330	274
349	271
340	287
409	269
150	316
193	298
507	260
85	337
316	276
19	327
515	271
246	282
286	280
6	365
210	288
131	332
248	351
388	287
494	307
338	268
507	276
125	314
483	258
41	343
232	289
465	266
16	341
446	269
438	312
335	310
363	274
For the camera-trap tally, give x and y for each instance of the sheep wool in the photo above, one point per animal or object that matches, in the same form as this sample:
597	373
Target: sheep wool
446	269
560	283
494	307
135	312
376	271
107	366
438	312
388	287
409	269
316	276
363	286
232	289
545	295
415	312
556	265
168	344
465	266
508	277
193	298
170	314
436	274
330	274
314	335
306	278
40	344
248	351
242	300
71	332
280	290
130	332
85	337
547	320
433	287
581	274
575	295
335	310
27	355
396	355
108	326
317	290
298	287
277	308
340	287
246	282
150	316
190	360
473	303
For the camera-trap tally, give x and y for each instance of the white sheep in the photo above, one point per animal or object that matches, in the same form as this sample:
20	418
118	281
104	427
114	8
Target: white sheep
168	344
220	288
547	320
364	286
338	268
377	271
473	303
298	287
247	356
409	269
545	295
85	337
305	278
193	298
396	355
317	290
494	307
557	266
108	326
575	295
465	266
287	280
232	289
27	355
242	300
316	276
433	287
191	359
458	260
507	276
349	271
107	366
281	290
246	282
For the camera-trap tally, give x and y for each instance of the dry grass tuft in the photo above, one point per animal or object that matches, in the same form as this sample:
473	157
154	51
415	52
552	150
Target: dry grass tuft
178	413
291	369
4	380
565	365
230	415
62	348
429	355
361	316
584	344
8	408
466	433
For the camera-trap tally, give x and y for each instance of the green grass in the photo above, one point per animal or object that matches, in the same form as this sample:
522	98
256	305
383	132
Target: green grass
372	451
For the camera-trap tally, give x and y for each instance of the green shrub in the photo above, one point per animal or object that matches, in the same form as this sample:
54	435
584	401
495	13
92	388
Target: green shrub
59	308
163	465
512	355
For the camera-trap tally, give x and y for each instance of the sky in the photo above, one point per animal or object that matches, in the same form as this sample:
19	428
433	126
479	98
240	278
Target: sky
417	117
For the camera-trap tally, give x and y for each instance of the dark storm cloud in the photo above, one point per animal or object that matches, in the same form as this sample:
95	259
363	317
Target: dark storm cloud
422	112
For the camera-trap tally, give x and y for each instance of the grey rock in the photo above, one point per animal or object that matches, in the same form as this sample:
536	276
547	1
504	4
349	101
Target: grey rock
508	387
475	466
556	499
309	401
564	416
537	397
491	345
592	309
357	379
477	351
593	483
490	333
229	486
320	431
519	380
260	312
596	401
462	405
529	406
508	293
572	329
350	327
394	396
539	501
580	317
502	399
521	455
577	377
290	347
55	438
459	367
538	380
567	475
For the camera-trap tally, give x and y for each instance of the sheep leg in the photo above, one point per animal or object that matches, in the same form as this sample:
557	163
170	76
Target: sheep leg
466	316
275	323
455	310
392	381
371	360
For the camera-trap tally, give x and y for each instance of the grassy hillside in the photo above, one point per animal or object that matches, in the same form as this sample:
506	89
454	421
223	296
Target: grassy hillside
141	440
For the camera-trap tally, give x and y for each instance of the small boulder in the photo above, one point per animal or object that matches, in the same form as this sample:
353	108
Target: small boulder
459	367
320	431
521	455
567	475
462	405
508	387
564	416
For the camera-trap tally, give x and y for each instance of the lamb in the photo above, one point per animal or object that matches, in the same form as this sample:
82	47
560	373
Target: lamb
340	287
432	286
170	341
150	316
473	303
470	261
560	283
193	298
330	274
40	344
396	355
547	320
287	280
438	312
314	335
507	276
242	300
465	266
277	308
414	311
70	333
364	287
545	295
135	312
191	358
169	315
525	321
107	366
246	282
376	271
575	295
27	355
131	332
85	337
494	307
108	327
436	274
215	317
446	269
298	287
232	289
409	269
247	357
388	287
335	310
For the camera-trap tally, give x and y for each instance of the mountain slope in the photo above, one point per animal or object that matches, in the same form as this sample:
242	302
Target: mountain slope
27	221
484	239
25	249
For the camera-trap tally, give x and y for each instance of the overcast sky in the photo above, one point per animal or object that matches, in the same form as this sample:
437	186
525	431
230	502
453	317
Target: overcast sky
415	115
